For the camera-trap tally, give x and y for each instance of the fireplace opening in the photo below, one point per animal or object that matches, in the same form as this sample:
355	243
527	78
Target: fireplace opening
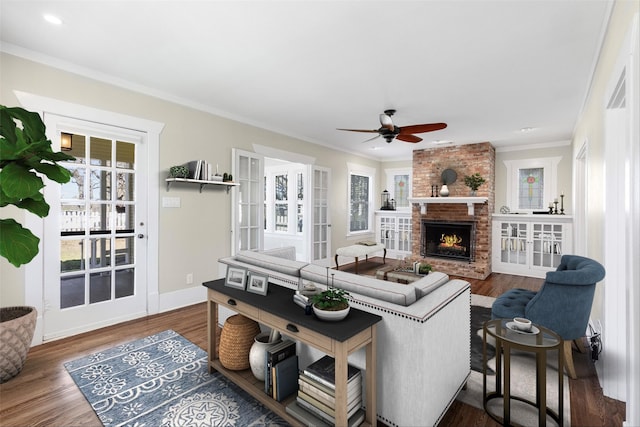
453	240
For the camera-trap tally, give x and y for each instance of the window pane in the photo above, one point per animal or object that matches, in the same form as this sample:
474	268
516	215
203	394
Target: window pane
78	147
531	188
359	220
72	218
401	190
100	252
125	186
98	220
282	216
281	187
124	250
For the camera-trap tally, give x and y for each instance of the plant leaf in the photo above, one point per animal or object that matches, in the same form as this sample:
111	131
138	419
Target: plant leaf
53	172
18	182
18	245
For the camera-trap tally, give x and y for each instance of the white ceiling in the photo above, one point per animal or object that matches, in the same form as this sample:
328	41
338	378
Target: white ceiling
305	68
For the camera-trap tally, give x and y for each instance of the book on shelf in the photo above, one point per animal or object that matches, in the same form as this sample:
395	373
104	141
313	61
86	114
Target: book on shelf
353	387
285	378
307	403
323	370
273	355
307	418
354	398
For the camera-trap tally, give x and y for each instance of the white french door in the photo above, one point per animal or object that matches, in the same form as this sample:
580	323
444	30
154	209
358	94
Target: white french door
247	211
320	217
95	246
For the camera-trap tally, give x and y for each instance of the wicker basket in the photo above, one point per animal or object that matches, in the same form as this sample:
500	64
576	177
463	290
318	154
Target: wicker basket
17	325
236	340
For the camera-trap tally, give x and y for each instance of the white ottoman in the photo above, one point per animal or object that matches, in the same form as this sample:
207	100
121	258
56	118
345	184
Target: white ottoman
358	251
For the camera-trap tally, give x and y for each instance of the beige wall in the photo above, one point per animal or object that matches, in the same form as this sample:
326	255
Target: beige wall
590	128
198	232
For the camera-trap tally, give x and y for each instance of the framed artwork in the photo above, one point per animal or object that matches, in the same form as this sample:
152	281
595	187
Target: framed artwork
236	277
258	284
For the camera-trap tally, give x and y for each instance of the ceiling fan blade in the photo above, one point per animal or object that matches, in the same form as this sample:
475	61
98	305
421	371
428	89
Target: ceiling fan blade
371	139
360	130
430	127
386	122
409	138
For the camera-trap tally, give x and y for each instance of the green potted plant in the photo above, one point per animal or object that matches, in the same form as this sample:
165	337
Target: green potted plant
331	304
474	182
424	269
25	152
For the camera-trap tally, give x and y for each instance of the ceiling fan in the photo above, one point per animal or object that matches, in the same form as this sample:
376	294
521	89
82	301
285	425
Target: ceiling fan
389	131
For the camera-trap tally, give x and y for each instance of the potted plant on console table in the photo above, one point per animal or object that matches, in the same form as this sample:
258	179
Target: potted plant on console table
331	304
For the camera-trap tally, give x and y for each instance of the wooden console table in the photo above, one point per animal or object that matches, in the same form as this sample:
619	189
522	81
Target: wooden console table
278	311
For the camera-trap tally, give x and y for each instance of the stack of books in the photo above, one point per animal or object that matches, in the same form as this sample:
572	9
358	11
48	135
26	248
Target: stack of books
316	402
281	370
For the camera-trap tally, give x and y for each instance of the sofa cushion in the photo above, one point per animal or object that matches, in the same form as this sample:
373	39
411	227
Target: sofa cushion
281	265
287	252
363	285
429	283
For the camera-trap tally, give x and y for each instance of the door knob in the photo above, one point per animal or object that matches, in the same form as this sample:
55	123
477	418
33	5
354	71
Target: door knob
140	236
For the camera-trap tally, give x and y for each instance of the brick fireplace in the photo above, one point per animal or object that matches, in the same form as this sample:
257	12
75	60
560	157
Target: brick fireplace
428	165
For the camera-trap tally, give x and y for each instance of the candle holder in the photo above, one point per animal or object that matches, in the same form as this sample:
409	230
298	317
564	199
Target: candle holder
562	204
555	210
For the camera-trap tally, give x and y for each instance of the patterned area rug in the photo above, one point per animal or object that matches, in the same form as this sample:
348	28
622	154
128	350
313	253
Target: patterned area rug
163	380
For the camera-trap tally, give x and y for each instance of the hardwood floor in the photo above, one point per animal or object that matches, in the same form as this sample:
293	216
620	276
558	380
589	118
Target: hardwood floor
45	395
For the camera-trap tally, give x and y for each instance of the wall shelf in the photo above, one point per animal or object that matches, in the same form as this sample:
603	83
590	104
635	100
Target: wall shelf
200	182
469	201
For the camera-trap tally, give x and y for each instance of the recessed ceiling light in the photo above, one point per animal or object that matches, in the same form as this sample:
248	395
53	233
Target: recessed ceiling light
527	129
377	148
52	19
442	142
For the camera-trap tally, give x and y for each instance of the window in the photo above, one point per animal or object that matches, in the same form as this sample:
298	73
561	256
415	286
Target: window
281	206
531	183
360	199
399	187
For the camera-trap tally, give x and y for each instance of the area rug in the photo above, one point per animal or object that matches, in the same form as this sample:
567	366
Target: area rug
163	380
523	373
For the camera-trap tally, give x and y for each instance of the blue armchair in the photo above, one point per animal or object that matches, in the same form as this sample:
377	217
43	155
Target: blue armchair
563	304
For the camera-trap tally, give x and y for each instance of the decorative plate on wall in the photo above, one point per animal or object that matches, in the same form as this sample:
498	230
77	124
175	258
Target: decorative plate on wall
449	176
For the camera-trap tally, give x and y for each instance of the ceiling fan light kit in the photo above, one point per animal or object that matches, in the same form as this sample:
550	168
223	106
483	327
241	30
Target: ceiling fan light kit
389	131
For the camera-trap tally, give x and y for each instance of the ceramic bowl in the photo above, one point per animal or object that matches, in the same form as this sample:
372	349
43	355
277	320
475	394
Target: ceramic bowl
331	316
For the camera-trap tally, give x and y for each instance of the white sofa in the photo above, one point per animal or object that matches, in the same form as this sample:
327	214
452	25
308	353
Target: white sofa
423	341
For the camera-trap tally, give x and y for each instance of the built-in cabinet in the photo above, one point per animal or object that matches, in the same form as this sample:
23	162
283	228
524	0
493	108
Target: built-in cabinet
393	230
530	245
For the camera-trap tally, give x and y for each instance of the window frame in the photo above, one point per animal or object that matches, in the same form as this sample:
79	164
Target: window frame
549	167
370	173
391	174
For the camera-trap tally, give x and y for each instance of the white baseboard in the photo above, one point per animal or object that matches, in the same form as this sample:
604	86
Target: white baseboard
182	298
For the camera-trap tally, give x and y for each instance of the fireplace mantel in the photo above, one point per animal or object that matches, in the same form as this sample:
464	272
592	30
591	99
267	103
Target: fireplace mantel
469	201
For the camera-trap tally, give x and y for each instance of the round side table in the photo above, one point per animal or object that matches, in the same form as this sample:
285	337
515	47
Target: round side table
540	343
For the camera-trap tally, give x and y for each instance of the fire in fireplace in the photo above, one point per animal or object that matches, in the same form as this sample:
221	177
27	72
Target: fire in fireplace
454	240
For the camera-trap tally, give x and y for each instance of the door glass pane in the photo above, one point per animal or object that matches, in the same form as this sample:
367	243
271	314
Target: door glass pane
73	218
100	150
125	218
71	255
100	252
124	282
72	291
78	147
100	184
99	287
124	250
98	217
125	186
74	189
125	155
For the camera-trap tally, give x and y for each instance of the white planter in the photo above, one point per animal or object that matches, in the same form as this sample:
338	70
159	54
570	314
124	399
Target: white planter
331	316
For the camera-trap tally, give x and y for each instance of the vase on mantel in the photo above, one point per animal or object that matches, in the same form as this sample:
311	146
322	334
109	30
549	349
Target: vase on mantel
473	193
444	191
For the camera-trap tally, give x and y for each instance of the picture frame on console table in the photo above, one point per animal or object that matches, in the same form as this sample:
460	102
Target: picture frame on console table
258	283
236	278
